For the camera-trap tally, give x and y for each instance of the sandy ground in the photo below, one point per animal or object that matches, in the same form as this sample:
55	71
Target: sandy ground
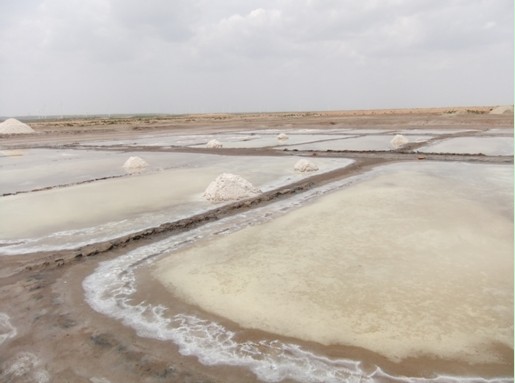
59	338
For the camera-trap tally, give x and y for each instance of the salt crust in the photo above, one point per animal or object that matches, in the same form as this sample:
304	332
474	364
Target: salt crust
135	163
214	144
398	141
24	367
230	187
304	165
13	126
7	330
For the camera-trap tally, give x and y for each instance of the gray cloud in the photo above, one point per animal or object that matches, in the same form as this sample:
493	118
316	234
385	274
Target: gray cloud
108	56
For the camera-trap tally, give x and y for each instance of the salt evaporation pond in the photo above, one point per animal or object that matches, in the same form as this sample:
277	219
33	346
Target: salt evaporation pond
32	169
263	141
368	142
490	146
445	130
500	131
76	215
229	140
165	139
403	274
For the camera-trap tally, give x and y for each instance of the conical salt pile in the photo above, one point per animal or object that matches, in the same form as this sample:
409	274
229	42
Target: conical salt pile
13	126
230	187
135	163
304	165
508	109
398	141
214	144
282	136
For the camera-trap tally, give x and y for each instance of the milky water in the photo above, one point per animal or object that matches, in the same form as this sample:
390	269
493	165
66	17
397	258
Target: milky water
262	141
268	138
346	269
170	140
32	169
109	290
80	214
500	131
491	146
234	139
372	142
409	132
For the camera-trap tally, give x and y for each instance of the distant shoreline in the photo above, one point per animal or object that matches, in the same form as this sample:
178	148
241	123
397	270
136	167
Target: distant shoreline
342	112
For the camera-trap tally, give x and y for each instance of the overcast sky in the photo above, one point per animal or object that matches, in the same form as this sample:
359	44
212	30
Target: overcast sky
183	56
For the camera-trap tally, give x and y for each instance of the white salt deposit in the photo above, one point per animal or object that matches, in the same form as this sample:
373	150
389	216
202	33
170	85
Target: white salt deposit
214	144
230	187
135	162
398	141
7	330
282	136
13	126
24	367
99	380
304	165
505	109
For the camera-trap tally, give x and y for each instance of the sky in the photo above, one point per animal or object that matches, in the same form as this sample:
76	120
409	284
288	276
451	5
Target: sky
203	56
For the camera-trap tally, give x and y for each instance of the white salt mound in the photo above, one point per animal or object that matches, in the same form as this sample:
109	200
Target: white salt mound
135	163
230	187
13	126
214	144
398	141
282	136
304	165
507	109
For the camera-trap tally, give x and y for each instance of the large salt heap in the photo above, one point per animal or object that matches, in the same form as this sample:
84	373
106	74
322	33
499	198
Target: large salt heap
214	144
507	109
134	164
230	187
304	165
282	136
13	126
398	141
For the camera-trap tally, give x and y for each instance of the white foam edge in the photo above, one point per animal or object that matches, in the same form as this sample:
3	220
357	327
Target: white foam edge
25	366
7	330
109	290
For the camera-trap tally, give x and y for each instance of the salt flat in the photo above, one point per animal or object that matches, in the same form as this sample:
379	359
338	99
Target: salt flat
383	266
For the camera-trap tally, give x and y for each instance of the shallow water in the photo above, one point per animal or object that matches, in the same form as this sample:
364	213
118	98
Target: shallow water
352	274
98	211
372	142
262	141
500	131
490	146
33	169
347	269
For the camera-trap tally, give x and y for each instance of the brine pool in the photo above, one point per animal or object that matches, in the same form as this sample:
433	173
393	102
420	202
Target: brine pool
404	273
490	146
77	215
